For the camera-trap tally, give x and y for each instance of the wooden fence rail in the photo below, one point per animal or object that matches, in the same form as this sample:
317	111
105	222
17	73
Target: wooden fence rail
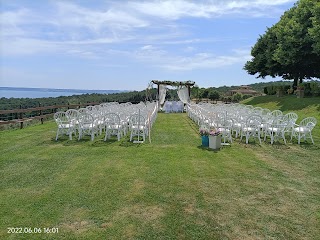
38	113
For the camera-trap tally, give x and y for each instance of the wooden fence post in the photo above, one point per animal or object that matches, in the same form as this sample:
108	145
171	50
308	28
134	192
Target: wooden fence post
20	116
40	114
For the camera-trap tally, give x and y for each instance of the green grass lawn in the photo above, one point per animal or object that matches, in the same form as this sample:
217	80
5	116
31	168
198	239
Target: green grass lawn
171	188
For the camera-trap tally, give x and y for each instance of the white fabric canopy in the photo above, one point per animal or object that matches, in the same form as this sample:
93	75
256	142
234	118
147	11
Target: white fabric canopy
162	93
173	106
183	94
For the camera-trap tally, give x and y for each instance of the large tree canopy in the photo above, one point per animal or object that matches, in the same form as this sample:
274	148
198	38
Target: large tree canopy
291	48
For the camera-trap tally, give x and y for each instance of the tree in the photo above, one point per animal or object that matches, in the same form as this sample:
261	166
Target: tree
315	31
237	97
204	92
289	49
214	95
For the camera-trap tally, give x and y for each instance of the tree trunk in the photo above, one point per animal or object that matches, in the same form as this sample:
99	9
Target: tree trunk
295	83
300	80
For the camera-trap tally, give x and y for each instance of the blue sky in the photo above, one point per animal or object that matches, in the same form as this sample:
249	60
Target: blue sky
125	44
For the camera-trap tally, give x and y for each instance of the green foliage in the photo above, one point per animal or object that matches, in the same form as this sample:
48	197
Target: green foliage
237	97
273	89
135	97
315	31
214	95
204	92
315	88
311	88
287	49
245	96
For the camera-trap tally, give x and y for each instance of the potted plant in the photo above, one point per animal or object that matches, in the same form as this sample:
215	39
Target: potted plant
204	132
215	139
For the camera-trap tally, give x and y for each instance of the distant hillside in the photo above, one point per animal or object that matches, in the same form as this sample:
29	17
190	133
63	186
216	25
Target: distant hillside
84	91
257	86
260	86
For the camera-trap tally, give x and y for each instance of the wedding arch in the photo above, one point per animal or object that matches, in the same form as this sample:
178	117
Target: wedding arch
183	89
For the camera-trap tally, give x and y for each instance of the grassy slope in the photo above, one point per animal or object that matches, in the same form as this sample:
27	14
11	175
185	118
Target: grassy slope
171	188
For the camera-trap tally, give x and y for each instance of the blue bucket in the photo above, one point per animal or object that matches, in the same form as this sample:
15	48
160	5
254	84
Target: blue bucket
205	141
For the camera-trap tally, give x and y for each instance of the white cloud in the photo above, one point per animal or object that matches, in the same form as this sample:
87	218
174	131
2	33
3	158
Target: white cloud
149	53
27	46
203	61
172	10
76	30
157	57
11	21
97	20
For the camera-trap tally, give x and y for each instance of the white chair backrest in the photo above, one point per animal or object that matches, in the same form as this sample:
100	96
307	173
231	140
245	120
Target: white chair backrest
137	119
254	121
82	110
309	122
73	114
111	119
276	113
291	117
86	119
61	118
265	111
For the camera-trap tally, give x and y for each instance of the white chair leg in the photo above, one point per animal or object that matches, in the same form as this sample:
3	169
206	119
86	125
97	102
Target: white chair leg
80	134
92	136
57	136
131	135
311	138
284	138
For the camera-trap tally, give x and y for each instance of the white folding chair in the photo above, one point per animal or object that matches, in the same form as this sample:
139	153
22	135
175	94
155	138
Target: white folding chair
138	126
87	126
64	124
276	129
112	125
304	129
251	128
226	130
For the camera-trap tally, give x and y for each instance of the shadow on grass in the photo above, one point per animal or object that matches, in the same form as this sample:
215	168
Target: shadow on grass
192	125
64	141
251	143
209	149
97	142
128	143
102	143
309	146
278	145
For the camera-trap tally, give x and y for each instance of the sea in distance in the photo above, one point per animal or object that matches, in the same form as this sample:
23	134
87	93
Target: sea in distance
14	92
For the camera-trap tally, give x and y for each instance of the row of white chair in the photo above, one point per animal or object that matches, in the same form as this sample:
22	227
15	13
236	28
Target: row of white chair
114	119
247	121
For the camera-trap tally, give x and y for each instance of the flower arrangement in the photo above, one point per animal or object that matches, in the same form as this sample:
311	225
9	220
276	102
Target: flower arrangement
214	132
204	132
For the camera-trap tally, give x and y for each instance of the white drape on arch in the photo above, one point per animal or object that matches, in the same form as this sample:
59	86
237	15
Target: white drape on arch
183	94
162	93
